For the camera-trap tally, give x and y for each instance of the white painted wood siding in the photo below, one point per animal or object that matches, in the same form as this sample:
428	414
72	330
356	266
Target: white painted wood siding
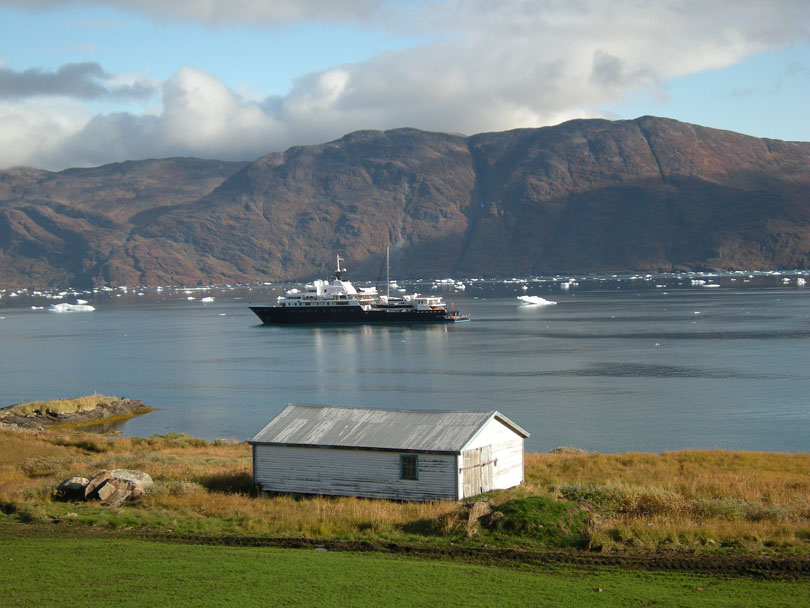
508	469
336	472
492	433
503	467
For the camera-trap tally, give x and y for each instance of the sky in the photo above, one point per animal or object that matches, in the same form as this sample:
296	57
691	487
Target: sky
89	82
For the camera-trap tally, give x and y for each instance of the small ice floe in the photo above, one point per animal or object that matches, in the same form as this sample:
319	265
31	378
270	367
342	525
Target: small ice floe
801	282
711	285
37	307
65	307
191	298
207	300
222	314
80	301
534	301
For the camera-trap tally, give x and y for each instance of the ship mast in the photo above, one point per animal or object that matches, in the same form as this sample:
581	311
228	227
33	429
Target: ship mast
339	270
387	277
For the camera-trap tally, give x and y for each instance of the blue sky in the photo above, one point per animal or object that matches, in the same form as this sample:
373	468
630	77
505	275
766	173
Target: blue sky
84	83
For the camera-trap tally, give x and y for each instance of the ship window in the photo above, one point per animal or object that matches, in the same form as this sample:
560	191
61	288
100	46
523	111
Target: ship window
408	466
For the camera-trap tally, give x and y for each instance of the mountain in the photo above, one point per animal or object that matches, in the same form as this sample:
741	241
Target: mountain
585	196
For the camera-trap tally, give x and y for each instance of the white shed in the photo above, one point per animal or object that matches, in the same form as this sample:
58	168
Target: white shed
387	453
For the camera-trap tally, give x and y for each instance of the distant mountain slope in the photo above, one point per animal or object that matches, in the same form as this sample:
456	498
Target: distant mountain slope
65	228
585	196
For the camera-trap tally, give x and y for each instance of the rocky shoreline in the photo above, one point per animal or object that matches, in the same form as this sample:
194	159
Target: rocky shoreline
44	418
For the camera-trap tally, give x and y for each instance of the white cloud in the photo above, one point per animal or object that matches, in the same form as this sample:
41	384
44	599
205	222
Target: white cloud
217	12
493	66
31	129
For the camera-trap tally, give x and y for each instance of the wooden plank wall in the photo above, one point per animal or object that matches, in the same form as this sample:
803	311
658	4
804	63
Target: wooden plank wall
501	469
336	472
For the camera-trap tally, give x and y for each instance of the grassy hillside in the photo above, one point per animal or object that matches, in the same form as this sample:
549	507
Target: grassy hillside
705	501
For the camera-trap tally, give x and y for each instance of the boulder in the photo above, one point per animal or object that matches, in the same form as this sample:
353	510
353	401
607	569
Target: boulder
139	477
116	491
95	482
72	488
112	488
480	509
105	489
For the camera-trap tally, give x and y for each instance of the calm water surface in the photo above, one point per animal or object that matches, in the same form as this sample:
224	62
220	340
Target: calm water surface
610	369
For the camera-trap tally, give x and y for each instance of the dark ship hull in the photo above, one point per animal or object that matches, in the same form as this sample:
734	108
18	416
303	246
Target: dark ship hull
271	315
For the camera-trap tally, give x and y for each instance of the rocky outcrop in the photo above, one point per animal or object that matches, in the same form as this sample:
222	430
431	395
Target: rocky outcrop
13	418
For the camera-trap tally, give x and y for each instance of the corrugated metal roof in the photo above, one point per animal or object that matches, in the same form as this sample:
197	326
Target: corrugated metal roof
382	429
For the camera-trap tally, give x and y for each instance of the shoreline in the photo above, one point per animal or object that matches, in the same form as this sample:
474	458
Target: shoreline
70	414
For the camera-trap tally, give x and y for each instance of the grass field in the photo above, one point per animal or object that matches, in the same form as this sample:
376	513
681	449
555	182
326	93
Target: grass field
705	501
708	504
120	572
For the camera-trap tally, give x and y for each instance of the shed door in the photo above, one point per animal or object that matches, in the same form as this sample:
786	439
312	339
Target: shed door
477	471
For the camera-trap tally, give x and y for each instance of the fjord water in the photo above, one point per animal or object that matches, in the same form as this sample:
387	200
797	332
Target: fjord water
613	369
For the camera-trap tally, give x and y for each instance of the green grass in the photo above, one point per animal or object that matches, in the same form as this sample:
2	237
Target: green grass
123	572
552	523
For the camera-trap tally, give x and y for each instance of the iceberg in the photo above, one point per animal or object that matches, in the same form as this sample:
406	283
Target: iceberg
535	301
65	307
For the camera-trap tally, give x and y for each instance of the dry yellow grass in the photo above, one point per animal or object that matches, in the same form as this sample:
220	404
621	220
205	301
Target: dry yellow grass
685	500
59	406
755	500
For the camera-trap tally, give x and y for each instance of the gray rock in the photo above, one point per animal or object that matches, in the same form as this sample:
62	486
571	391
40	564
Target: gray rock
139	477
95	482
121	489
72	488
112	488
479	510
105	489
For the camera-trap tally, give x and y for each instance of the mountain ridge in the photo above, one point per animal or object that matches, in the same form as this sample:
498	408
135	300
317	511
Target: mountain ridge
588	195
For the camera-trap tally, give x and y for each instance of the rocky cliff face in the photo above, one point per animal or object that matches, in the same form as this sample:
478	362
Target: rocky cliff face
585	196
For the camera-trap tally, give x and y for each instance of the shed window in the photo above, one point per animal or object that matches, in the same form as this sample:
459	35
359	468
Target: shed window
408	466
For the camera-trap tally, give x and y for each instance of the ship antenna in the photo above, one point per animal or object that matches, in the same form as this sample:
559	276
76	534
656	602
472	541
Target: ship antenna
339	270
